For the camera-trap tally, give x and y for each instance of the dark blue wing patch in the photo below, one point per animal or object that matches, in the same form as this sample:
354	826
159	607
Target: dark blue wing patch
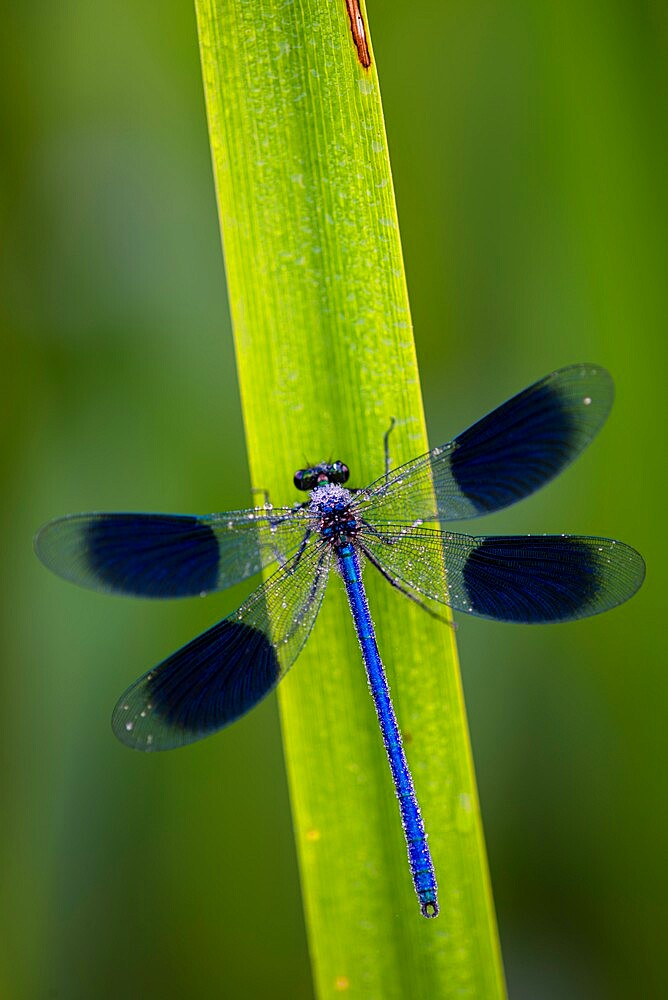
144	555
538	579
534	439
207	684
528	440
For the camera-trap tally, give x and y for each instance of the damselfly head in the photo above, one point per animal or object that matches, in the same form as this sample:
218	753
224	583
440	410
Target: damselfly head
321	475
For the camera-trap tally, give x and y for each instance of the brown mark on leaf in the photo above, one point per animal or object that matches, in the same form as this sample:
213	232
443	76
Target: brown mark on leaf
359	32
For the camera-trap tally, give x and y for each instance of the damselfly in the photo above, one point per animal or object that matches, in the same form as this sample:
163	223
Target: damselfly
224	672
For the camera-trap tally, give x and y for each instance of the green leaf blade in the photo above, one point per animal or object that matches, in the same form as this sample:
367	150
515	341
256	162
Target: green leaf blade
326	358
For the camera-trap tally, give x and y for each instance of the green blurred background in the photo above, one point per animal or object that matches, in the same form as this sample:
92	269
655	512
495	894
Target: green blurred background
529	154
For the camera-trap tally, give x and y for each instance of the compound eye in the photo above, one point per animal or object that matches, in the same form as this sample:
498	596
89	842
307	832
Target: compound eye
340	473
304	480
